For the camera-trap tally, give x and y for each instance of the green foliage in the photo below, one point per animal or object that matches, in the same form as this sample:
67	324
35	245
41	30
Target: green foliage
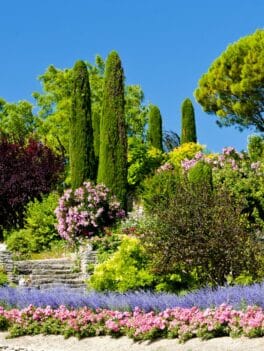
246	184
112	169
160	187
20	244
185	151
188	128
243	279
136	113
3	281
17	122
125	270
201	230
96	78
82	158
4	323
54	108
201	173
256	148
39	232
142	161
233	86
55	105
155	128
105	246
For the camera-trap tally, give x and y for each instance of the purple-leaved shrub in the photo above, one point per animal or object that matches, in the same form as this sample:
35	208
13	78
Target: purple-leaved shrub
85	211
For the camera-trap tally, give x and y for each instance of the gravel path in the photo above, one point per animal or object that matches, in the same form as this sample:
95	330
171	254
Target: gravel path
106	343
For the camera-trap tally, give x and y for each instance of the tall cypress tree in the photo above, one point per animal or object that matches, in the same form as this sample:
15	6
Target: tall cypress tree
155	127
112	170
81	148
188	130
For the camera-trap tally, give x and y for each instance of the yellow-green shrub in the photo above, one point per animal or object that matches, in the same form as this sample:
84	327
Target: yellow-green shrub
185	151
125	270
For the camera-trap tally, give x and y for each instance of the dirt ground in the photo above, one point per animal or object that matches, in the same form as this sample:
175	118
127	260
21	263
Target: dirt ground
106	343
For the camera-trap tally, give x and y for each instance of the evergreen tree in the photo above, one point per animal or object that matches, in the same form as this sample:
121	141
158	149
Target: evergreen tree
81	149
155	127
188	131
112	169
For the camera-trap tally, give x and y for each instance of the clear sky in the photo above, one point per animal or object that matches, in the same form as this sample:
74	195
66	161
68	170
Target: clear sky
165	46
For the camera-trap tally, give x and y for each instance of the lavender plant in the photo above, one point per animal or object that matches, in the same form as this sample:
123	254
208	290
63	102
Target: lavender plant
237	296
85	211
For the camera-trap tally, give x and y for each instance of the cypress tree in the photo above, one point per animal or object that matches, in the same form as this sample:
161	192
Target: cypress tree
112	170
81	149
155	128
188	130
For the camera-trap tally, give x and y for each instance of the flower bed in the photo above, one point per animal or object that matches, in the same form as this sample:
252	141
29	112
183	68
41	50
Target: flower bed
181	323
237	296
139	315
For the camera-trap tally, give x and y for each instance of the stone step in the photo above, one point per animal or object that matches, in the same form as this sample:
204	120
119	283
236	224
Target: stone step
42	263
57	280
27	268
80	286
54	275
59	271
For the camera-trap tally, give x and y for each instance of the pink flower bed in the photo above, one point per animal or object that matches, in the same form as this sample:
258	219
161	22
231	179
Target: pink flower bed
182	323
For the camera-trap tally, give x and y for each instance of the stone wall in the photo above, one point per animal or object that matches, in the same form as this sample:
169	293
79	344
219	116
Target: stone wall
6	262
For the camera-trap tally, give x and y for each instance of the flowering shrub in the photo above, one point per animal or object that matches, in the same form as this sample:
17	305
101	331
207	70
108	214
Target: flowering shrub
241	175
185	151
85	211
229	156
182	323
238	296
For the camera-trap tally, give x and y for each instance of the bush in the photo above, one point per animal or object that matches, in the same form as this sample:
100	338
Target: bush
256	147
39	232
185	151
27	171
235	171
160	187
3	279
105	246
201	172
85	211
142	161
125	270
20	244
203	230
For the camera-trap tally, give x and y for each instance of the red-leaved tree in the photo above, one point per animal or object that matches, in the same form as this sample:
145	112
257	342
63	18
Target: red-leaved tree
26	172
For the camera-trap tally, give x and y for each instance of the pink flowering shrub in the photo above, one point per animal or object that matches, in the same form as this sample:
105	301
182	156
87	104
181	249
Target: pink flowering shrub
85	211
229	157
181	323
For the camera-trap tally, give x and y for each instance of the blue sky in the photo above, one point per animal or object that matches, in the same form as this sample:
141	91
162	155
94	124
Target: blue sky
165	46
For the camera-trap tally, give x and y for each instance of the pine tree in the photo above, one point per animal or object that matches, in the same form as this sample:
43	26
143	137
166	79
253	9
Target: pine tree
188	131
81	149
155	128
112	170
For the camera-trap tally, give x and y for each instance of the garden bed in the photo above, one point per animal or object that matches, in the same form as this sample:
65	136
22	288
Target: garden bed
141	316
